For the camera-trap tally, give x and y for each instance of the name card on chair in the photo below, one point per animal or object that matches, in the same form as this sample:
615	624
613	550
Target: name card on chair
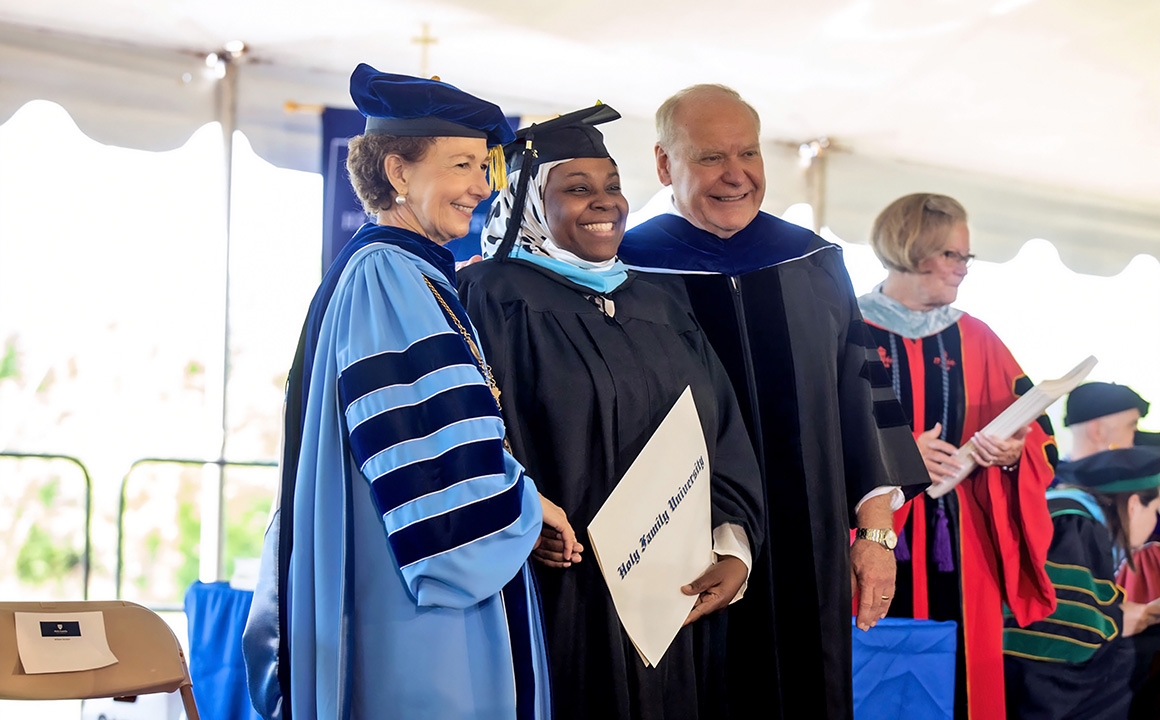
62	642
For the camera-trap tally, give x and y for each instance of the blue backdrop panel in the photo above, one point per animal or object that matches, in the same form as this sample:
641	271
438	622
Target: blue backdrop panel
217	615
905	670
342	213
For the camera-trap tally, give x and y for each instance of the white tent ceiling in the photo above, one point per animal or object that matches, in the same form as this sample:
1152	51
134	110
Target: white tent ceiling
1042	116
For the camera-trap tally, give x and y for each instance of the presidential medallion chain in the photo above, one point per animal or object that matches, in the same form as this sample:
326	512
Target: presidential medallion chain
484	368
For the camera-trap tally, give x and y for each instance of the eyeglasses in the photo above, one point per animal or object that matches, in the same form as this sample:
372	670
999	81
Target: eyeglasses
952	256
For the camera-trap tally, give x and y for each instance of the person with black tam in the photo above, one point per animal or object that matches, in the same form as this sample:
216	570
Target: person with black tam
589	362
1103	416
1075	663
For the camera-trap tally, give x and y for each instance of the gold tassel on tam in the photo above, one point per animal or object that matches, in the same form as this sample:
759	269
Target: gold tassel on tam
497	167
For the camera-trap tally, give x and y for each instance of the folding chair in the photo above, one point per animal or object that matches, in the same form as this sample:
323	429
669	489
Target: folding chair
149	657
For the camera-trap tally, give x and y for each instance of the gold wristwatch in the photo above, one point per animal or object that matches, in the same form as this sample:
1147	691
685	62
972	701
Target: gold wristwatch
883	536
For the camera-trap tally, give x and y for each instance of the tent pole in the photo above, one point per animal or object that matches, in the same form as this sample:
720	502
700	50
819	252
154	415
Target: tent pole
814	155
213	526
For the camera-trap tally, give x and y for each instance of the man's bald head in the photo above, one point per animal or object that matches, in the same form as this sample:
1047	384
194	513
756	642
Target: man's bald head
709	152
696	95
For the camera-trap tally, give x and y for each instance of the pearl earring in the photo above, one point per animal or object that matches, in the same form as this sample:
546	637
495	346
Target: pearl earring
401	199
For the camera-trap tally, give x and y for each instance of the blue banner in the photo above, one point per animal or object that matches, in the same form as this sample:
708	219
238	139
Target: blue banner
342	213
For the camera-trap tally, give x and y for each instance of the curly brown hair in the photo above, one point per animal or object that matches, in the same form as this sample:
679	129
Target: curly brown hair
365	166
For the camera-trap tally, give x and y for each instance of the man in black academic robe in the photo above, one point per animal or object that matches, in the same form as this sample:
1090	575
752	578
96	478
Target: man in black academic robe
833	444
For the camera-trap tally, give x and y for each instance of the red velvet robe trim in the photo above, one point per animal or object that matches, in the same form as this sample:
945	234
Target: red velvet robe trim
1141	585
1004	527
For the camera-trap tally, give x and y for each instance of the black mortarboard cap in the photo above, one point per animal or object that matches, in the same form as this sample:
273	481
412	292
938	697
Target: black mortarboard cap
1097	399
562	138
565	137
1148	439
415	107
1113	471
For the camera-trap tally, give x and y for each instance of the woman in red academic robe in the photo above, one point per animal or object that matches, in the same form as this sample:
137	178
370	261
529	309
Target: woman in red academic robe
982	547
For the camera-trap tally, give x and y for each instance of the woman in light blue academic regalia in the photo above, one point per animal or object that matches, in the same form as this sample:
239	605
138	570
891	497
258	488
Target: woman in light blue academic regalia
407	592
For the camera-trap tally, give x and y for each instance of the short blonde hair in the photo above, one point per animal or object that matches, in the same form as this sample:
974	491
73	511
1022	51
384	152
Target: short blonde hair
667	127
913	228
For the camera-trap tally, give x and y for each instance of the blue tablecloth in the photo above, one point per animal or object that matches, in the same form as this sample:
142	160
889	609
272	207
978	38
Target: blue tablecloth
217	615
905	669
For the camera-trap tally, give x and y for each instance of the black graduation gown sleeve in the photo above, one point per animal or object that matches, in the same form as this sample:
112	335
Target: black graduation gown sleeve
877	444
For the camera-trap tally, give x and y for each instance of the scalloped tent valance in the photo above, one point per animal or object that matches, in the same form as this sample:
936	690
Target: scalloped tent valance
153	98
1093	234
153	93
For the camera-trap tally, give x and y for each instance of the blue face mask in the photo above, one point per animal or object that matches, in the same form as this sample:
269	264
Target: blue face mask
601	280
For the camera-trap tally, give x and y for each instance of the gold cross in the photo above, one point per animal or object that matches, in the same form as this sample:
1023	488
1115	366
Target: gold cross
425	41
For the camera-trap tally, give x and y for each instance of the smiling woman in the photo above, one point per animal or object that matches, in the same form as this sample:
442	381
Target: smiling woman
953	375
435	196
590	360
586	210
408	586
428	185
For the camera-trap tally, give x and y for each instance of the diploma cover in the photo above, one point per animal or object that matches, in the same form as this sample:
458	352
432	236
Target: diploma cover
1019	414
654	532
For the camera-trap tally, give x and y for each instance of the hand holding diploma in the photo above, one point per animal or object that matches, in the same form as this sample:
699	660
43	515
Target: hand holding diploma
1000	438
716	587
557	545
986	450
990	450
653	537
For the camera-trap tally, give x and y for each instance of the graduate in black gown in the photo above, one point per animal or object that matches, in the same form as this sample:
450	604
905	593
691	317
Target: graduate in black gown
589	362
1077	663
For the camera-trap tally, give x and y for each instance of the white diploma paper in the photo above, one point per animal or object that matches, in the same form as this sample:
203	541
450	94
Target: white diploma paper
1019	415
62	642
654	532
